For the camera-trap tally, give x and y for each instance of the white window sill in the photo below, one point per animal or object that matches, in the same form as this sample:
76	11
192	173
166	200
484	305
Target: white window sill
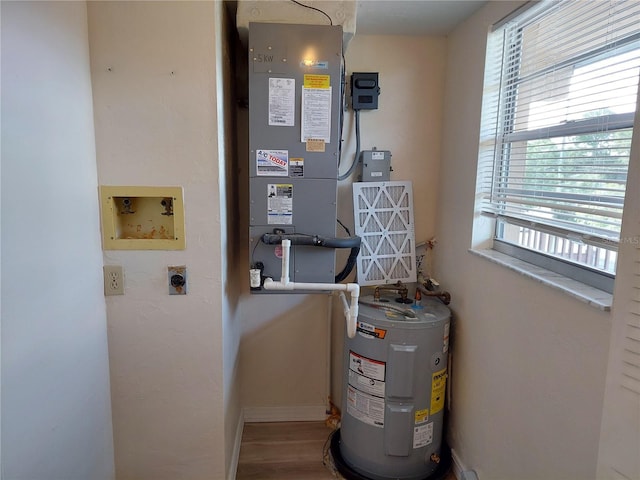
584	293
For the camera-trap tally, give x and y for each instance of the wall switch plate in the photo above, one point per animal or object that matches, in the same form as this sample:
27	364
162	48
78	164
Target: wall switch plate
177	280
113	280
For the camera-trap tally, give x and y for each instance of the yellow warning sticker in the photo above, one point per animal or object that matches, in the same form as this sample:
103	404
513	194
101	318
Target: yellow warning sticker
422	416
438	386
317	81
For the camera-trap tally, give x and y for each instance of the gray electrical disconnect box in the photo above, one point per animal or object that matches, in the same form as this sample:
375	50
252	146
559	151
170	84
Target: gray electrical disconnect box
295	96
376	165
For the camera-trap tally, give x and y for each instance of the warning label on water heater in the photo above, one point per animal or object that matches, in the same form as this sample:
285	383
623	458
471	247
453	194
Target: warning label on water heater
438	385
365	393
367	385
422	435
366	408
365	366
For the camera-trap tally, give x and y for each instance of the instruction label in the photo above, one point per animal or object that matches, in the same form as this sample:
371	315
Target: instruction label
272	163
438	385
366	408
296	167
282	101
422	435
367	385
367	367
365	392
279	204
316	114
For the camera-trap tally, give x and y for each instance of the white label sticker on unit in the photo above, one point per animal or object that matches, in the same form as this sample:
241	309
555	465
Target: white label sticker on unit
282	101
422	435
279	204
366	366
366	384
316	114
296	167
377	155
272	163
364	407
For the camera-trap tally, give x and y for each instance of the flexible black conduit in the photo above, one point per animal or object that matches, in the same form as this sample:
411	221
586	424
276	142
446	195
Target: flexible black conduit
351	262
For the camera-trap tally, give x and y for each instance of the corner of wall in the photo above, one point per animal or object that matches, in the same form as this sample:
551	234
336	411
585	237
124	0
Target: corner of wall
234	458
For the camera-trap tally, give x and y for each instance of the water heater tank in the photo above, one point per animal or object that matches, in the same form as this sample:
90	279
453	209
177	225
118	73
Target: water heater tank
394	390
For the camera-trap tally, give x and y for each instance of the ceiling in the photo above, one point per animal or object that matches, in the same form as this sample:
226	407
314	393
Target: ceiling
362	17
412	17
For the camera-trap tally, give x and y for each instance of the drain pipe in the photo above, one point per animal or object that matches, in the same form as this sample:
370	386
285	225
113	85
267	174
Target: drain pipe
350	310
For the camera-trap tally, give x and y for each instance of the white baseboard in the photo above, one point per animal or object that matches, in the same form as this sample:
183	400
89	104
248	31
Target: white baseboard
456	464
235	455
459	470
306	413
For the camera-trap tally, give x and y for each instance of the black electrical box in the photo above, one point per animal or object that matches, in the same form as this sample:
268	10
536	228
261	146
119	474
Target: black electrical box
364	90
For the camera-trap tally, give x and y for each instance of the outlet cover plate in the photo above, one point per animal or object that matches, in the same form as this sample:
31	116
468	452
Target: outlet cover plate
113	280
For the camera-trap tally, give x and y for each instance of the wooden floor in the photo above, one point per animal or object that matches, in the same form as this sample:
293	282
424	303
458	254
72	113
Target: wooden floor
285	451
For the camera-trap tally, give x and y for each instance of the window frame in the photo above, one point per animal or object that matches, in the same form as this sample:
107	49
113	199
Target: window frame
505	135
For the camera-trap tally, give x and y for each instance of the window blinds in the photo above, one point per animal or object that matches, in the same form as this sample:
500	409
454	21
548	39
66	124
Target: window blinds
561	82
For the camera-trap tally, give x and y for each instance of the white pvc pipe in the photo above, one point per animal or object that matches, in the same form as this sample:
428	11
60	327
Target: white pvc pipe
351	313
286	249
350	310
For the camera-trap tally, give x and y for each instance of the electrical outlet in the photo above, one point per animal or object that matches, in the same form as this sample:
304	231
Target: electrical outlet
177	280
113	280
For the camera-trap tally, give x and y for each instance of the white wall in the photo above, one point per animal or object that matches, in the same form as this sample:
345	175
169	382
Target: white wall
155	69
408	123
284	357
529	362
56	415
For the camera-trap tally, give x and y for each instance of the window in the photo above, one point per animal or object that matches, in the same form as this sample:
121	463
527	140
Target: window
561	83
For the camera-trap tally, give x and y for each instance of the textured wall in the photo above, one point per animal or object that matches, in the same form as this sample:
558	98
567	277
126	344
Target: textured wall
529	362
408	122
56	413
154	69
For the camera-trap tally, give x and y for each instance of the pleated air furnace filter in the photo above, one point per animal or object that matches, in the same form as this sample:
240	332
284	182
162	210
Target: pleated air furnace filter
383	214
